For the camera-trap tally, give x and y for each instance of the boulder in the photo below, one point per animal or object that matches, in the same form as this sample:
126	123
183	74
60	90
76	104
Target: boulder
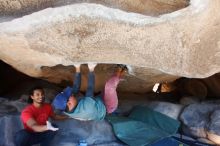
70	132
5	108
189	100
214	126
202	121
157	48
153	7
214	138
204	140
170	109
195	118
18	104
9	125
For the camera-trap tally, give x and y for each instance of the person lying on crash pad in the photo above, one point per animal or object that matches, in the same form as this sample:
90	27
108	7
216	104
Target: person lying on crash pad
89	107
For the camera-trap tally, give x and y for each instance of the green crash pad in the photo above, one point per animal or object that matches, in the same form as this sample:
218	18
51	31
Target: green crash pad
143	126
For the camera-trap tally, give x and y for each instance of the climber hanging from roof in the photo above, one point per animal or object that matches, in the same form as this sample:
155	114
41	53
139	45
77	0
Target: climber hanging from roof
89	107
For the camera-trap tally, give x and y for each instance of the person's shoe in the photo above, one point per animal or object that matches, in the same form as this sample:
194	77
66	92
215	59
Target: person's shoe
77	66
91	66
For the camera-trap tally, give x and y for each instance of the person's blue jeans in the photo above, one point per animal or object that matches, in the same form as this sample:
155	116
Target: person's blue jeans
76	83
26	138
91	83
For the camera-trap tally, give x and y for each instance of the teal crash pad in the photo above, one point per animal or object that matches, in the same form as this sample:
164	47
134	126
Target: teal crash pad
143	126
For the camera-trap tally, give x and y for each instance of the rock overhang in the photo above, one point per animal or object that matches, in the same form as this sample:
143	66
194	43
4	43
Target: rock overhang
153	7
173	43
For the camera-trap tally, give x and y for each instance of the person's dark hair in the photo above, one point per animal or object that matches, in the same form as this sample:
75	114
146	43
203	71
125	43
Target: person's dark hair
122	66
31	92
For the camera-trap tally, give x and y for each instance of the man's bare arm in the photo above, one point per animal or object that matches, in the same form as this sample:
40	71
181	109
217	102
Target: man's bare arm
60	117
31	123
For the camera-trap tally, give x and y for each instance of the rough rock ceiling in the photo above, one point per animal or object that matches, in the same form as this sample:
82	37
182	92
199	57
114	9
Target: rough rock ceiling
183	42
146	7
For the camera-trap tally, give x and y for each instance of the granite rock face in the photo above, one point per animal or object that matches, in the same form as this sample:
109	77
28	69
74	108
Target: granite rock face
70	132
202	121
166	108
152	7
184	42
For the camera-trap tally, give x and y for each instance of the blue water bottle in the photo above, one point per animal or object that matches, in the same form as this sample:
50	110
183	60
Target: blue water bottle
82	143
